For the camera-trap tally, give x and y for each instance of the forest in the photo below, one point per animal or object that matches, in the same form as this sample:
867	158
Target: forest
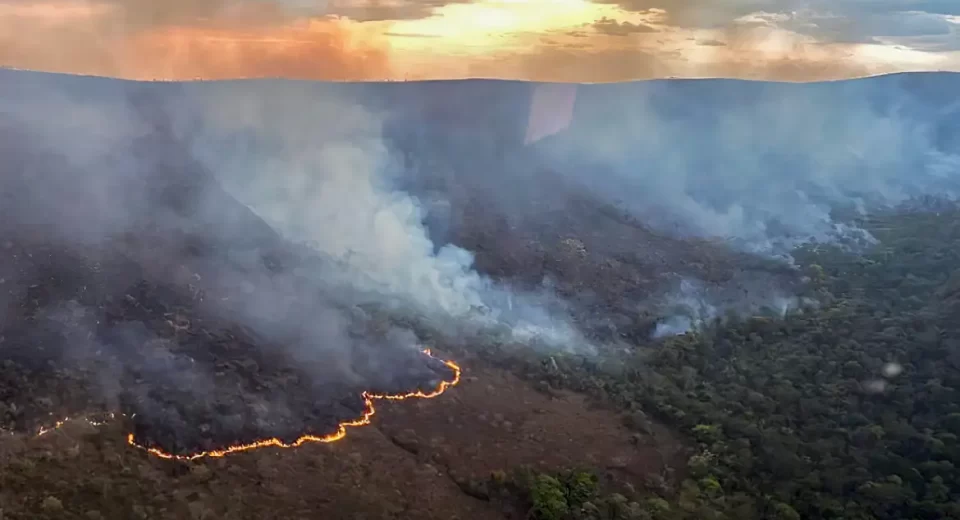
846	410
844	407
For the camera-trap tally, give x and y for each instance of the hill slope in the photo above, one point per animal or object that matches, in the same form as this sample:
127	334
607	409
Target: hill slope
152	268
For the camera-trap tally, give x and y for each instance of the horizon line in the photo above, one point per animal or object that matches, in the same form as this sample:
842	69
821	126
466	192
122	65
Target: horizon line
475	78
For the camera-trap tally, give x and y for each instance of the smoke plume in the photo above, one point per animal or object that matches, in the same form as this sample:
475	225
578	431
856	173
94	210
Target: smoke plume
314	163
763	166
214	320
759	167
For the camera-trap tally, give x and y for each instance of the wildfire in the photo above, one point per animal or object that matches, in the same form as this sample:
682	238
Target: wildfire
59	424
340	433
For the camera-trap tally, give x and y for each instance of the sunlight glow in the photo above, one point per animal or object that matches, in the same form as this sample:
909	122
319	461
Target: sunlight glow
577	40
52	12
897	56
493	24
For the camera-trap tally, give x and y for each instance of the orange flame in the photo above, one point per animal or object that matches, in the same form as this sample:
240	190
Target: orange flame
341	432
43	430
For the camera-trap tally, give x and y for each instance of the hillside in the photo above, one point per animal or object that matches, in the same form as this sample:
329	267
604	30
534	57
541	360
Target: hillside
216	263
128	279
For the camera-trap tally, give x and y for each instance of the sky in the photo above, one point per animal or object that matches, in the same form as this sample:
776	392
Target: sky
542	40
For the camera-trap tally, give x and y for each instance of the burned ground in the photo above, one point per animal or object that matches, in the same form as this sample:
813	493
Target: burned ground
135	323
417	460
138	321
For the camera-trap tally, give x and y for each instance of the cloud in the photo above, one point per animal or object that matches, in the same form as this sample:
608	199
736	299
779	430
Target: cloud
699	13
615	28
876	27
411	35
947	7
750	54
380	10
140	14
392	39
182	39
837	21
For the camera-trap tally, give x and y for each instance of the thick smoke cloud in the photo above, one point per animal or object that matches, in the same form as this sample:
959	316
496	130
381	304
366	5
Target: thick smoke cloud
316	169
759	167
124	189
314	164
309	160
765	168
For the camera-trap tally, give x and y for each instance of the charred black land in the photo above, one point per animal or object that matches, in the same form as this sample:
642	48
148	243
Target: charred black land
99	322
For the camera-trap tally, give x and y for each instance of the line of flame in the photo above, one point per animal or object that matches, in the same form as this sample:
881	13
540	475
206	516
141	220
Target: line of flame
43	430
341	432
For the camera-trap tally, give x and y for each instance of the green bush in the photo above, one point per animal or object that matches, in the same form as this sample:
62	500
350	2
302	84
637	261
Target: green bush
548	498
580	487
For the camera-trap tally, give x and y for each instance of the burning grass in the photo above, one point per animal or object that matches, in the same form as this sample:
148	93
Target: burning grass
339	433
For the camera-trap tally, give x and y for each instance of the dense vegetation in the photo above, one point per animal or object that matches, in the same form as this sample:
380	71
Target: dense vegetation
848	411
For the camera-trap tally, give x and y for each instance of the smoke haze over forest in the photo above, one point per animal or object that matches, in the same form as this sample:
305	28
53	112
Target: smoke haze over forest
346	223
359	172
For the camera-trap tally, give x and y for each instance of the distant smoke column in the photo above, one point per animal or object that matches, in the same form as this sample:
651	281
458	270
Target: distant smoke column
551	110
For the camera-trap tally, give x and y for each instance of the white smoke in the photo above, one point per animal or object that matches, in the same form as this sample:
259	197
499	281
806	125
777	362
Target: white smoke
316	168
693	305
761	165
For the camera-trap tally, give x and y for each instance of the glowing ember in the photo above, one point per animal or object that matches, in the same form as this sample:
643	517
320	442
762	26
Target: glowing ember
340	433
59	424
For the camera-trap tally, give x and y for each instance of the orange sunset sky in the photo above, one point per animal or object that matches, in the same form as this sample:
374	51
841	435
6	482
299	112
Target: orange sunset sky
547	40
